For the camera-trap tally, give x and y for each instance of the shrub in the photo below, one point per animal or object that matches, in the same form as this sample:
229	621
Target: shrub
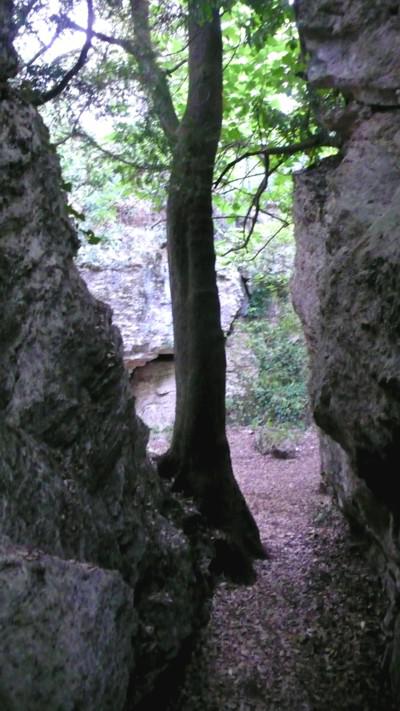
279	392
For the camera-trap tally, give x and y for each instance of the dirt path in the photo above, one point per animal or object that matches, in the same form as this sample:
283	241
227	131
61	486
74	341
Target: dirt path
306	636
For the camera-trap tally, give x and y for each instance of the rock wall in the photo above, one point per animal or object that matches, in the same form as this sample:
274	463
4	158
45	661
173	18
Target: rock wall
347	284
130	273
99	585
136	263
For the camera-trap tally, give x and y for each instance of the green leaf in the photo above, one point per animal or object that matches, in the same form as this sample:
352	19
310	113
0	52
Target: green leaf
91	237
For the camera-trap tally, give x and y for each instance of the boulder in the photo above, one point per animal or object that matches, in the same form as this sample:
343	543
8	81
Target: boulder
356	362
275	442
100	586
81	623
347	282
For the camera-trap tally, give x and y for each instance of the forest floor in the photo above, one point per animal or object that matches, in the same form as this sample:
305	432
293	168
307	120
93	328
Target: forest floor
306	636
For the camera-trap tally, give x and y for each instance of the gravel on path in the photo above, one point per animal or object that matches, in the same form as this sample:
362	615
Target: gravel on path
307	635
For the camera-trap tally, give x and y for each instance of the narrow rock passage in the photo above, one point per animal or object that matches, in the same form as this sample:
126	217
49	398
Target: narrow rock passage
307	636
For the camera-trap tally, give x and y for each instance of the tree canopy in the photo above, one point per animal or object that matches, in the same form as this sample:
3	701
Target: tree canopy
85	56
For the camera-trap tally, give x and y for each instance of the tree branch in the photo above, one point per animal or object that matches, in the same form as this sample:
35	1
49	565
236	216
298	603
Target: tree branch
113	156
23	13
44	48
256	202
273	216
269	240
58	88
125	44
152	78
178	51
168	72
319	139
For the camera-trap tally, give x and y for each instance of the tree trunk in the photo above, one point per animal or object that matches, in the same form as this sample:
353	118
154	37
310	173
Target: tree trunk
199	456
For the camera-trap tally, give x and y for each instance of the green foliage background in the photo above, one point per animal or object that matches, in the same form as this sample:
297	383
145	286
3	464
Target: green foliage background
278	394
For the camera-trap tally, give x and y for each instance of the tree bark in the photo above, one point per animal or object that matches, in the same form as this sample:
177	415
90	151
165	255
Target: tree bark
152	78
199	457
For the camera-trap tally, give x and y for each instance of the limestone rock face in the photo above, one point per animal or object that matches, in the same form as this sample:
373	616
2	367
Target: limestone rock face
155	393
131	275
92	547
353	46
359	289
79	657
347	283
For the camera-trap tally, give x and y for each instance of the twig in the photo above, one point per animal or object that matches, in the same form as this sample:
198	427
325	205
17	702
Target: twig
115	157
58	88
269	240
44	48
168	72
178	51
24	12
319	139
233	55
256	202
125	44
